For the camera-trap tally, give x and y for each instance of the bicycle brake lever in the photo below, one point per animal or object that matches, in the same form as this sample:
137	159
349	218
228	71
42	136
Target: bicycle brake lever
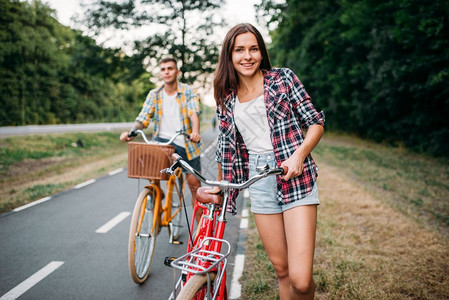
262	169
167	170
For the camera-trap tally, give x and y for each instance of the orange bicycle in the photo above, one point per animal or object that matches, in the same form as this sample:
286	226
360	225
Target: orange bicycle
154	209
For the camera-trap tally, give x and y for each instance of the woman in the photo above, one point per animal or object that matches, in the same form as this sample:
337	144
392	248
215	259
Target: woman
261	113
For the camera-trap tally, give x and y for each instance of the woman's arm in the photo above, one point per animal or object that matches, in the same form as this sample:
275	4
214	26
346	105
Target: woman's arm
295	163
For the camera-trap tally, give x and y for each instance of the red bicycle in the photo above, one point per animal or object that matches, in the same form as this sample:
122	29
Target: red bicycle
203	267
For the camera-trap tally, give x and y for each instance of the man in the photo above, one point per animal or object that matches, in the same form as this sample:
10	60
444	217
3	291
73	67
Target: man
173	106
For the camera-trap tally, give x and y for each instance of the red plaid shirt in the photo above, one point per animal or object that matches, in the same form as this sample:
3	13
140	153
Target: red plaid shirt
289	110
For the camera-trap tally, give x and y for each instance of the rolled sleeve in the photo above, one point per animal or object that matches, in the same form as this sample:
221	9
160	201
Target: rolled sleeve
316	119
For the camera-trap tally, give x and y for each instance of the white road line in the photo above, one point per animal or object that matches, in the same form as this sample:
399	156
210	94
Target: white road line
236	288
31	204
78	186
244	223
32	280
113	222
239	262
115	172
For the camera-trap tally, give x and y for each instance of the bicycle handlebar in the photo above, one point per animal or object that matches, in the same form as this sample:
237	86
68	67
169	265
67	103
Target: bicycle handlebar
136	132
225	184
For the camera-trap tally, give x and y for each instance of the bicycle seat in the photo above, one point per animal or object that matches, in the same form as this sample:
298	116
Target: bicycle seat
206	198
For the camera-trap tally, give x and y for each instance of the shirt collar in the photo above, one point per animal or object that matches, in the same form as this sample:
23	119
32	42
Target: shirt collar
179	90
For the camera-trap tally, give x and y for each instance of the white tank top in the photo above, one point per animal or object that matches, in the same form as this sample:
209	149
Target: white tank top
171	119
252	123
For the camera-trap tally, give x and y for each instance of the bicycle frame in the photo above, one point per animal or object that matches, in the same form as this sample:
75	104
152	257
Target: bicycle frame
209	237
207	257
162	211
164	214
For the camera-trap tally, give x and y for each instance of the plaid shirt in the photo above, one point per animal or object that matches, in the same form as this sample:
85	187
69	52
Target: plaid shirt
289	109
188	102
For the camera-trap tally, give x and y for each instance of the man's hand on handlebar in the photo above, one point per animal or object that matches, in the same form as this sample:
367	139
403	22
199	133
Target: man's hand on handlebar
195	137
126	136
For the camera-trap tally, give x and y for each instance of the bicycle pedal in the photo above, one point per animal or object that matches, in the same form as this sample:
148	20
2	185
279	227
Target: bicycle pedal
168	260
175	242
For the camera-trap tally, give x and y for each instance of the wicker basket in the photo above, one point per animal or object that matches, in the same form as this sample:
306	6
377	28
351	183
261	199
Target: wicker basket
147	160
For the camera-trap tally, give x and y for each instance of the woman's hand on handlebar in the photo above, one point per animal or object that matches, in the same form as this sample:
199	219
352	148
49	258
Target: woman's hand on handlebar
214	190
295	167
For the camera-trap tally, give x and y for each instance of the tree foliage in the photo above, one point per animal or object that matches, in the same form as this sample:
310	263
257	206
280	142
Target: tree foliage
183	29
378	69
51	74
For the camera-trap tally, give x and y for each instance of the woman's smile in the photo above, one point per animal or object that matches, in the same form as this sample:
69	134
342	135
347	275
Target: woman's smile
246	56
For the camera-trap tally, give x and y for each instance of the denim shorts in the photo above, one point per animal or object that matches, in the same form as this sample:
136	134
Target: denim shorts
195	163
263	192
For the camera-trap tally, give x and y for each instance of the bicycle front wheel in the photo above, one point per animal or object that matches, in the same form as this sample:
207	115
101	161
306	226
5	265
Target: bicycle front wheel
174	191
142	236
195	288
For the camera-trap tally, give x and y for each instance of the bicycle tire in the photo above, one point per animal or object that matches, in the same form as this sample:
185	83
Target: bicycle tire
196	284
141	245
176	203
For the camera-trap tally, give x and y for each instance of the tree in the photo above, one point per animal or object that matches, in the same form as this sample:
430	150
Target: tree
186	30
378	69
51	74
29	60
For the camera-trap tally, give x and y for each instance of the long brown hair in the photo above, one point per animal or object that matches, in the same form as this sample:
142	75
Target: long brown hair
226	78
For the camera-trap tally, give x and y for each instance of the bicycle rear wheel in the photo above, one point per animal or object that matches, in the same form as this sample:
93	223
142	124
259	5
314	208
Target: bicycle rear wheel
142	236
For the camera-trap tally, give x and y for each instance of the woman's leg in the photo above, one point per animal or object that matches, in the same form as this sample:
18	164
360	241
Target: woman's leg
271	231
300	231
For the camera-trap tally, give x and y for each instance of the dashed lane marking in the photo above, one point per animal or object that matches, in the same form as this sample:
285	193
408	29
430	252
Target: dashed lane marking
115	172
75	187
113	222
78	186
31	204
32	280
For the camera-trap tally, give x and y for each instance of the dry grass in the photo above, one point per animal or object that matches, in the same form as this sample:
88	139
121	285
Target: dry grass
374	240
367	250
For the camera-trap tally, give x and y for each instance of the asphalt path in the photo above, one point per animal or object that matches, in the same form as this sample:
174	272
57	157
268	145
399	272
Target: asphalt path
53	250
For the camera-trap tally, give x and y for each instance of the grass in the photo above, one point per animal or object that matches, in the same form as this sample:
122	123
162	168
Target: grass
382	229
416	185
35	166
